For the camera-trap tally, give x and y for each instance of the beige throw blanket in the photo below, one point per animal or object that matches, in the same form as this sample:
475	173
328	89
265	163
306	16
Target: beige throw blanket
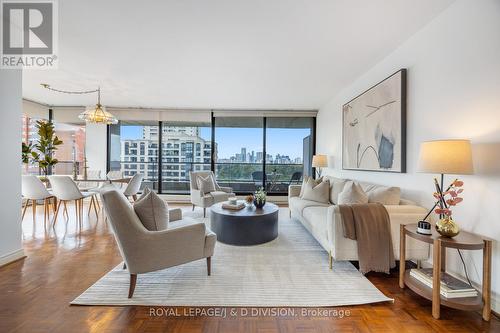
370	226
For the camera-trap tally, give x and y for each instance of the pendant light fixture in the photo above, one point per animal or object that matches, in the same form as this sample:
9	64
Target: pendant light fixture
93	114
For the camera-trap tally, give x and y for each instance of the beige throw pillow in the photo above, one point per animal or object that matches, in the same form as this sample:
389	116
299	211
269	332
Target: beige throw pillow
336	187
144	193
304	182
316	192
352	194
385	195
205	184
152	211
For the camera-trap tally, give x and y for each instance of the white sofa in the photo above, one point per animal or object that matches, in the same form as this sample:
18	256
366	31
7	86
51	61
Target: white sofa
324	222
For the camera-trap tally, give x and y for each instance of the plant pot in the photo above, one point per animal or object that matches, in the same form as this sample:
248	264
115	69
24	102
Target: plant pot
447	227
259	204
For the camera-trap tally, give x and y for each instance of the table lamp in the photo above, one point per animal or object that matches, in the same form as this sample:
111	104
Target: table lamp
444	157
318	162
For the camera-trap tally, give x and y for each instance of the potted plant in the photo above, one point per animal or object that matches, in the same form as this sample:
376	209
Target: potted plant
259	198
41	152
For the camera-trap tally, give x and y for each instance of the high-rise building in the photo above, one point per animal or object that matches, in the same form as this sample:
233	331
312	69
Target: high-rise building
183	150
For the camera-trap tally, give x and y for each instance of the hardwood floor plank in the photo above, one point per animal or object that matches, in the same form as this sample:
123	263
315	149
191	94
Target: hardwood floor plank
62	262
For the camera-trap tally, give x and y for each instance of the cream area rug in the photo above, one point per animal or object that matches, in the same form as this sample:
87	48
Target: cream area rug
290	271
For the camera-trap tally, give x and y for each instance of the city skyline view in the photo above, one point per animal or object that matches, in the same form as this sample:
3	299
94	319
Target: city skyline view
280	141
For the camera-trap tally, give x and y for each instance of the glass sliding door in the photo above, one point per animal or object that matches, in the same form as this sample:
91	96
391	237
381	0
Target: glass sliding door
289	149
185	147
239	153
134	149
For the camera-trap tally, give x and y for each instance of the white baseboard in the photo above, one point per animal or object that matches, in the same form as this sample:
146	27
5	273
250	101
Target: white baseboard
10	257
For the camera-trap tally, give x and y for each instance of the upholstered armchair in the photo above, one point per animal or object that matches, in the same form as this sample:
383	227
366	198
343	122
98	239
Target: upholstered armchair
200	199
146	251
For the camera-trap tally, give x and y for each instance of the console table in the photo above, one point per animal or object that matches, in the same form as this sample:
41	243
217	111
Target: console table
465	241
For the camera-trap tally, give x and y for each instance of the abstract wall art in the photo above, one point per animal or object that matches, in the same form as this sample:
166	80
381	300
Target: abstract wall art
374	127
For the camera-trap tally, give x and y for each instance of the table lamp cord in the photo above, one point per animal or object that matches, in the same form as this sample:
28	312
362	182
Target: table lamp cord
465	268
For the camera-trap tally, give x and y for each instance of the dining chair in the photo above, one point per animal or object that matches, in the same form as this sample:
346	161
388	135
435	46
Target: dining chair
296	178
113	175
65	189
92	175
32	188
133	186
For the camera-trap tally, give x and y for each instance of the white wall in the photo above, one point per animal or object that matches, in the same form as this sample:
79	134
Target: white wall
10	168
453	92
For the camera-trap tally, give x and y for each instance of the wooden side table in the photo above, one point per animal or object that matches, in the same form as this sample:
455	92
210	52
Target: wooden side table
465	241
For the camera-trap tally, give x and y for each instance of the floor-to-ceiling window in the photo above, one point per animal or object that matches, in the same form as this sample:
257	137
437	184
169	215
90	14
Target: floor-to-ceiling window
240	152
289	148
134	149
245	153
185	147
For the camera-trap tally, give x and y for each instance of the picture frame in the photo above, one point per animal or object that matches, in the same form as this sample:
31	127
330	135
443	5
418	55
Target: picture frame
374	127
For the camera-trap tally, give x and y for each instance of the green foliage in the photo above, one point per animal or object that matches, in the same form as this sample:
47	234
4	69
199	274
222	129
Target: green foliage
26	151
42	151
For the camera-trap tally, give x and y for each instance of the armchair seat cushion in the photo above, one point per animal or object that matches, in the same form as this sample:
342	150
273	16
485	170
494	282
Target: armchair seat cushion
219	196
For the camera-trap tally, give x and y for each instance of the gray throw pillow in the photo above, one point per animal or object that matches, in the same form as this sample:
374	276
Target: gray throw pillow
205	184
316	192
152	211
352	194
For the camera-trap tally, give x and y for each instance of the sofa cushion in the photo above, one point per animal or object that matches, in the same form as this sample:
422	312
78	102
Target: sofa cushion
336	186
304	182
206	184
152	211
384	195
316	216
297	204
314	191
352	194
144	193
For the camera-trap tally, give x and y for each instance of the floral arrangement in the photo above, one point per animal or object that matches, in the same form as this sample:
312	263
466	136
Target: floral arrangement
449	198
259	198
249	199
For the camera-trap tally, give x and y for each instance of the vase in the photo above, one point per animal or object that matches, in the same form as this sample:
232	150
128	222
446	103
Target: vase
259	203
447	227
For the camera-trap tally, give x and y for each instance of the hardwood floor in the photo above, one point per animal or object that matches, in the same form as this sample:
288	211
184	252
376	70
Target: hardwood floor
61	263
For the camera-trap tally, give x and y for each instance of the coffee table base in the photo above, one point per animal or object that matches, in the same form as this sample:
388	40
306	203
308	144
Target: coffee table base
245	230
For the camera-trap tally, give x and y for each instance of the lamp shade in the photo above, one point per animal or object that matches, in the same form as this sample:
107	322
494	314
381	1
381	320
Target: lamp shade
319	161
446	157
98	115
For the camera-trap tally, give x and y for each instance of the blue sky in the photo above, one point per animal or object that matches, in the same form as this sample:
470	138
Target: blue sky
231	140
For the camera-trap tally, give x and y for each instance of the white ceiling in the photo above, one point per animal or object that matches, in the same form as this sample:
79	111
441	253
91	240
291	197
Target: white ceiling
271	54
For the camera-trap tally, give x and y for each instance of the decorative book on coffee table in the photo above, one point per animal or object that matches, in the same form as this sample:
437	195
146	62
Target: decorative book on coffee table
238	206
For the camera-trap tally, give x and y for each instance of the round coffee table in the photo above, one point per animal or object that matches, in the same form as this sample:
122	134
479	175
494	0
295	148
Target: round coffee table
248	226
